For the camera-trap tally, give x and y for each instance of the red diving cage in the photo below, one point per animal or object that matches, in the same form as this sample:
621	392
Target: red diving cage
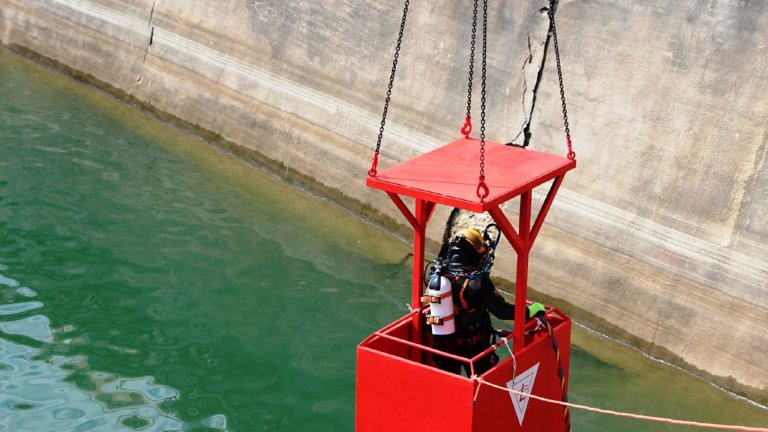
398	386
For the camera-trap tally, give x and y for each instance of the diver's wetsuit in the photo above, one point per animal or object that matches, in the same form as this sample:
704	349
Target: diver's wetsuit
472	300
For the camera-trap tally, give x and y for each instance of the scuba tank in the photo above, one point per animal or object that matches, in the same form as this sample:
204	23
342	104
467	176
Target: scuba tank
439	295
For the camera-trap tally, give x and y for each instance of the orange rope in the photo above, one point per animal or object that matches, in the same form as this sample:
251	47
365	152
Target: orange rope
560	374
629	415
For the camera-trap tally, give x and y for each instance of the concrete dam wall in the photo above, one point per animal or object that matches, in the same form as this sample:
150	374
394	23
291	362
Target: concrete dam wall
657	237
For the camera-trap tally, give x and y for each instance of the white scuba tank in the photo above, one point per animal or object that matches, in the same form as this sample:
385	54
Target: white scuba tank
441	306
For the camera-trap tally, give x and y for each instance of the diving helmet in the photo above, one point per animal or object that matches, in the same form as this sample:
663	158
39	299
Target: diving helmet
467	251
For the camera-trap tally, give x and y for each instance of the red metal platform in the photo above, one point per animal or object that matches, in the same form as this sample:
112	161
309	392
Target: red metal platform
398	386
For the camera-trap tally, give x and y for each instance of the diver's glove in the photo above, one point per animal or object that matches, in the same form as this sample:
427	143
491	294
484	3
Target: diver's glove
535	309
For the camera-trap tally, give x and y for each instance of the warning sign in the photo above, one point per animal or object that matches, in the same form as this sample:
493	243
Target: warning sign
523	383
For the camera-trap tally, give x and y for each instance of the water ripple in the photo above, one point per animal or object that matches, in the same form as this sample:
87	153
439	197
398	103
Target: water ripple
15	308
37	327
37	397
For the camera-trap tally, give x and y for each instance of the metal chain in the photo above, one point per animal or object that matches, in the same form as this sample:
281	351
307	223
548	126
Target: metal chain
372	171
467	128
553	30
482	188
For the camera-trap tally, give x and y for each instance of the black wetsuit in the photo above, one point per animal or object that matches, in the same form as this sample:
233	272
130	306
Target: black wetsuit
473	300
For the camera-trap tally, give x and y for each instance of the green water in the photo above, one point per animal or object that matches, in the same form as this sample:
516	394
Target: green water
149	282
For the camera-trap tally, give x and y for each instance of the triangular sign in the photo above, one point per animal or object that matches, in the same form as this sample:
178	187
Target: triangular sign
523	383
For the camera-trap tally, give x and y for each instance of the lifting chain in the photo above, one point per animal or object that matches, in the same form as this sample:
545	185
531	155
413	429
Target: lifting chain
467	128
375	162
482	188
553	31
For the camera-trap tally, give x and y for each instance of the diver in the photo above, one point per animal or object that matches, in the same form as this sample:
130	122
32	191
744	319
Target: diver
462	297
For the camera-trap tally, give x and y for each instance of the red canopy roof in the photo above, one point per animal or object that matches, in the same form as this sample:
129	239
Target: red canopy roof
449	174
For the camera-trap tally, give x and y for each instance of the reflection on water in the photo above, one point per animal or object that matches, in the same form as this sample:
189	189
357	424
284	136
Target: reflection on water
37	394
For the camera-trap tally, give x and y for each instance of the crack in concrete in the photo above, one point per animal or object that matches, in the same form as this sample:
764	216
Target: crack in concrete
526	126
151	38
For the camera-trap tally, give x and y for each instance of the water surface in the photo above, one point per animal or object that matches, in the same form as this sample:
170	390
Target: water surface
150	282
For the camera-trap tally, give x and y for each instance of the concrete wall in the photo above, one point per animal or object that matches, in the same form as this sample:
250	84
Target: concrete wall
657	236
